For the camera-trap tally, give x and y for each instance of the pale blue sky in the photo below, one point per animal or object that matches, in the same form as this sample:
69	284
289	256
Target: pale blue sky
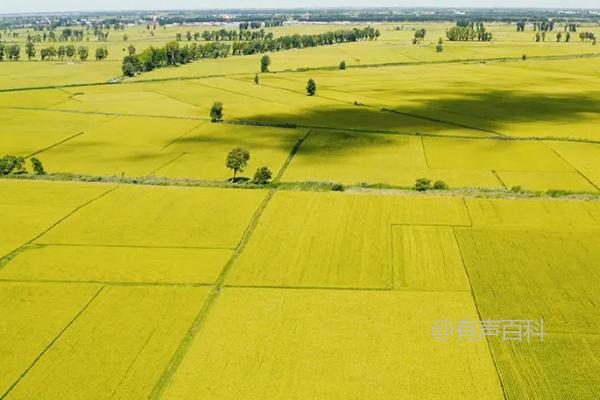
11	6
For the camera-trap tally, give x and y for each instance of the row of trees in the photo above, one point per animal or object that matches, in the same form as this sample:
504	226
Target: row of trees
546	26
171	54
226	35
303	41
11	52
259	24
61	52
67	34
585	36
469	32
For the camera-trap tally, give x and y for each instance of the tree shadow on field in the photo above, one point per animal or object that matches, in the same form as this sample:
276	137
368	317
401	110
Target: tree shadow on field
473	114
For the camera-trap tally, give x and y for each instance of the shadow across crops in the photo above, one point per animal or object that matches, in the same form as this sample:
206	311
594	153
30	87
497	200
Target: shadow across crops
474	114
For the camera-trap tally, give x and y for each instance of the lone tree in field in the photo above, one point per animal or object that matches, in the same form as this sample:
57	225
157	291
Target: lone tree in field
237	159
311	87
265	61
256	79
216	112
343	65
440	46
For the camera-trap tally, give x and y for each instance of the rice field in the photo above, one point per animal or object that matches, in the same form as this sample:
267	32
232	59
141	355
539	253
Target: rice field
134	268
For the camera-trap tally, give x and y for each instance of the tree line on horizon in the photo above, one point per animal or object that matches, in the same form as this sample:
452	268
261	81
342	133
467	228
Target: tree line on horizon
173	54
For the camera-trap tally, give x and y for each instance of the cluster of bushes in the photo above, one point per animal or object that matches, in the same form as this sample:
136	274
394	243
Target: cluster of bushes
465	32
298	41
171	54
13	165
423	184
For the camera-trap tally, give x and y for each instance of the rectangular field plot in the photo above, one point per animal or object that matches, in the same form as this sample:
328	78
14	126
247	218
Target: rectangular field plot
128	99
33	131
131	146
317	344
353	157
427	257
537	214
116	264
28	208
350	157
533	275
240	100
161	217
583	156
33	315
502	155
205	149
333	240
26	98
117	348
563	366
543	181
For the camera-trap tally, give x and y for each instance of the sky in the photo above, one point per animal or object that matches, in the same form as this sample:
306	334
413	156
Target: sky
15	6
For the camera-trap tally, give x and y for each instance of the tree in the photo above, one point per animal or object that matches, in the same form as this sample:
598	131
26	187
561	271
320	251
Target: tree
440	185
265	61
131	66
262	176
237	159
70	51
538	36
343	65
30	50
83	53
101	53
558	36
13	52
311	87
422	184
216	112
131	50
38	168
440	46
256	79
419	35
125	37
